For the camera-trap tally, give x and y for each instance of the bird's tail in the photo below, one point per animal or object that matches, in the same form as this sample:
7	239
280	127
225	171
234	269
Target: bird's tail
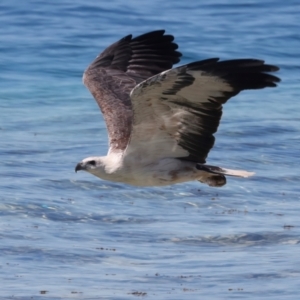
223	171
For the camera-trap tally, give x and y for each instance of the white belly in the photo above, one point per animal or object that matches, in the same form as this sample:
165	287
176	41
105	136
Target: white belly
165	172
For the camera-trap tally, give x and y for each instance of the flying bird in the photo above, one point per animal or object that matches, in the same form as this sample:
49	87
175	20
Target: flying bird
161	121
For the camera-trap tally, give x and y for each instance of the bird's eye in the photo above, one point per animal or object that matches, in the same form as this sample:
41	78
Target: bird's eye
92	162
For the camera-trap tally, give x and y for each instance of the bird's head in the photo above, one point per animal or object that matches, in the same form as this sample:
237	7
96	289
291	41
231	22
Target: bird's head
94	165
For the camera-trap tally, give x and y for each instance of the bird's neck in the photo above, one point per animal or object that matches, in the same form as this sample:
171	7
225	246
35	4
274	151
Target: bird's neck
112	162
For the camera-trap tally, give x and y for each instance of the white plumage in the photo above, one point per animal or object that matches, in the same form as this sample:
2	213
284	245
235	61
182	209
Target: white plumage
160	120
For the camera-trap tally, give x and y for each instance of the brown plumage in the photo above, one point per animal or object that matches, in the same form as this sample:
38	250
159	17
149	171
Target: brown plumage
118	69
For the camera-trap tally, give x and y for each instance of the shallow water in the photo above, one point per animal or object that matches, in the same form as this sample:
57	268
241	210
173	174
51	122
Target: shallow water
72	236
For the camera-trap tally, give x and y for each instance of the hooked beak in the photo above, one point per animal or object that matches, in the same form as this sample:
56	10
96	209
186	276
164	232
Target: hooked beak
79	167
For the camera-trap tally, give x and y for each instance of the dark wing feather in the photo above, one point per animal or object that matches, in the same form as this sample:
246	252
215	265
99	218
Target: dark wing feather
177	112
116	71
240	74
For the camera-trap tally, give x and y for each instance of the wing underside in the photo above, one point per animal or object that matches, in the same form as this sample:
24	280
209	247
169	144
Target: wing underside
177	112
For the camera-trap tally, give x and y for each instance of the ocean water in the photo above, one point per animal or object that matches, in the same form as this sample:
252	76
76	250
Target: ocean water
72	236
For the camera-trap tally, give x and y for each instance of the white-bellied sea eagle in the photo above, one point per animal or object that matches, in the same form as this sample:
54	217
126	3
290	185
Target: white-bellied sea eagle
160	120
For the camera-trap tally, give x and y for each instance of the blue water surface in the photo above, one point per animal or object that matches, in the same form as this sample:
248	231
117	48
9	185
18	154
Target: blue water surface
73	236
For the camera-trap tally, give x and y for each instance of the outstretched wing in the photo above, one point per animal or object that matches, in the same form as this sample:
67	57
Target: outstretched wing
177	112
116	71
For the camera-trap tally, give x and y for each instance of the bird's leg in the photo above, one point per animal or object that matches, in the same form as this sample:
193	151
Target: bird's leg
213	180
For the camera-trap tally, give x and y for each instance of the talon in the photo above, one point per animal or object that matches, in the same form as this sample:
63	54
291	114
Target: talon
215	181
